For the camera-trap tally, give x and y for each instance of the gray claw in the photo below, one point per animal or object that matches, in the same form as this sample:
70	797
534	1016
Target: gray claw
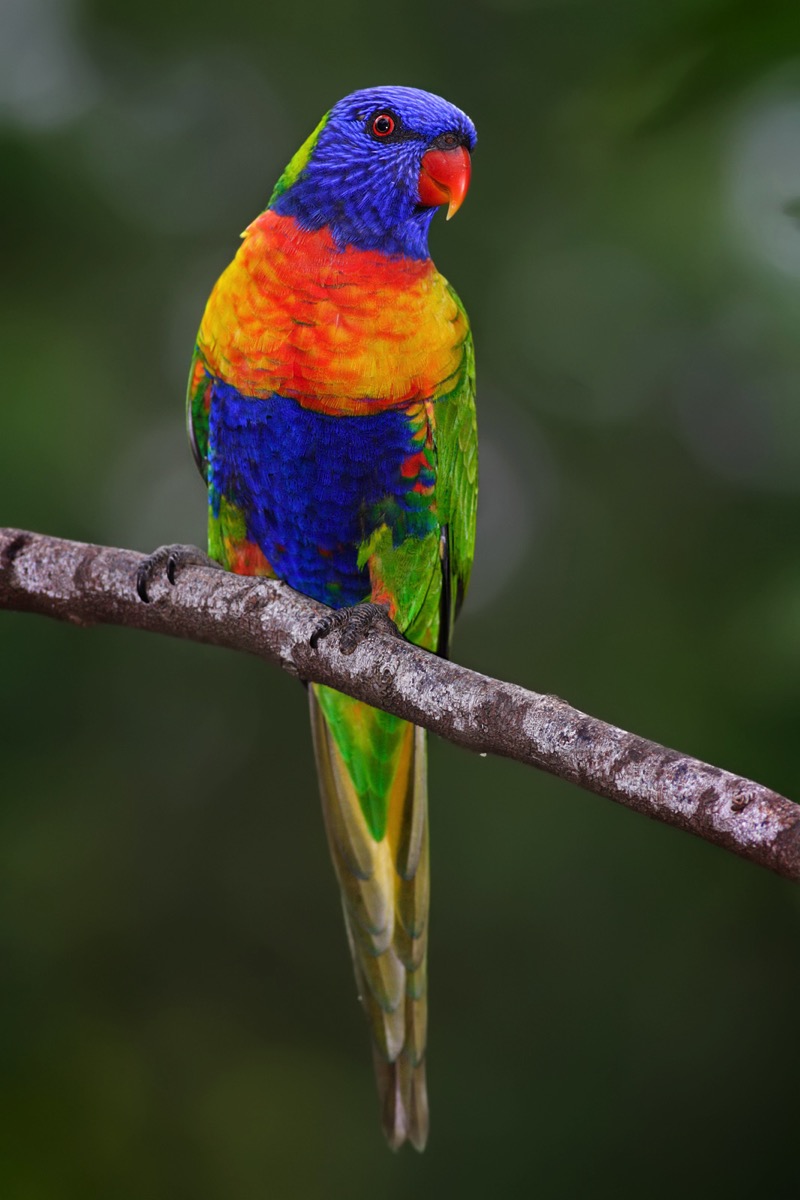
356	623
171	559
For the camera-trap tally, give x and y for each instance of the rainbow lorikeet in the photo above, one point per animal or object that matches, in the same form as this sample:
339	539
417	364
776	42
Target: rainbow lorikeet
331	412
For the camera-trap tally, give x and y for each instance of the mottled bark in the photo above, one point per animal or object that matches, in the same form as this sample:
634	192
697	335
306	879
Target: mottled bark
89	585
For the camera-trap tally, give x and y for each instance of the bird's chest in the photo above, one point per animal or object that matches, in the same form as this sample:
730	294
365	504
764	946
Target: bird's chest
343	332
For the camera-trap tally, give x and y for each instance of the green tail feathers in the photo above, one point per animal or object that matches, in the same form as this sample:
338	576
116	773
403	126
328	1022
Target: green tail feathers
373	782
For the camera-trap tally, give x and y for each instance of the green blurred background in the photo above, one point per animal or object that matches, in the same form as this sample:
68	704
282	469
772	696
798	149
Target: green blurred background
614	1005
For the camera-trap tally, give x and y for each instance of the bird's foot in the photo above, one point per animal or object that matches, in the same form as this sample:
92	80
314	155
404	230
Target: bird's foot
356	623
169	559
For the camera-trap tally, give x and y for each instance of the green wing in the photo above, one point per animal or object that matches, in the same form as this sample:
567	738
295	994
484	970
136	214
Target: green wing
198	401
457	485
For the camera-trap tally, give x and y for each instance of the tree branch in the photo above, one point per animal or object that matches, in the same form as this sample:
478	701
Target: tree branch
89	585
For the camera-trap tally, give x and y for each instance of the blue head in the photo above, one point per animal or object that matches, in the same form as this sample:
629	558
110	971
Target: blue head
361	172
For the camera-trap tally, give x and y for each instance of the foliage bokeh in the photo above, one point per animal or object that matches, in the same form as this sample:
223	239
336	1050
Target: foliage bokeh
613	1004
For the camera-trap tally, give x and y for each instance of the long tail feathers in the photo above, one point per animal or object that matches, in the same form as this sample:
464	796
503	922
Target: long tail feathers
385	893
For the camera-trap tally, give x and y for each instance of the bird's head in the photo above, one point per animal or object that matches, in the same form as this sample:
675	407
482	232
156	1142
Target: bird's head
377	167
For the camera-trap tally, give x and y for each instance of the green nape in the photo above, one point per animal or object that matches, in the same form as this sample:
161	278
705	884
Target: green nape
371	744
297	163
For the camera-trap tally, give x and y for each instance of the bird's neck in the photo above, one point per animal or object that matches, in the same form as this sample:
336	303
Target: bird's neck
357	215
305	260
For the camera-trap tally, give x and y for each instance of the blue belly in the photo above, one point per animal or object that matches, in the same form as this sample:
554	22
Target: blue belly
312	487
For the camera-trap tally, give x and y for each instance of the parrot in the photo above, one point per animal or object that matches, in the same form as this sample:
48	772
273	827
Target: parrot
331	413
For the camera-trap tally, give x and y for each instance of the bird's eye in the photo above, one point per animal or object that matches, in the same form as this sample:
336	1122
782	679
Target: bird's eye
383	125
450	140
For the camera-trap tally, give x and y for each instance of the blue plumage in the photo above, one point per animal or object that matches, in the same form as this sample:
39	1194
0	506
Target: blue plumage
311	486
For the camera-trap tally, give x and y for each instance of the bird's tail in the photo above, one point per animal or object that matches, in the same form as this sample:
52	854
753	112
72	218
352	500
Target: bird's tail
373	781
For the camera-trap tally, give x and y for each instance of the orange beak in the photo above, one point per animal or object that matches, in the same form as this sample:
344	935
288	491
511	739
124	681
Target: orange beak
444	178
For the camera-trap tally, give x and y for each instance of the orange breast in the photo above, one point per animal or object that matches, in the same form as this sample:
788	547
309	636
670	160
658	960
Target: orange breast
340	331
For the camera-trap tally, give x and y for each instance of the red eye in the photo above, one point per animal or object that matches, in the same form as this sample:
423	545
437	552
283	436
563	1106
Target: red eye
383	125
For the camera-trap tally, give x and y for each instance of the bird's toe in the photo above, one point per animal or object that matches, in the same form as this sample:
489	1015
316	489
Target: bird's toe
169	559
